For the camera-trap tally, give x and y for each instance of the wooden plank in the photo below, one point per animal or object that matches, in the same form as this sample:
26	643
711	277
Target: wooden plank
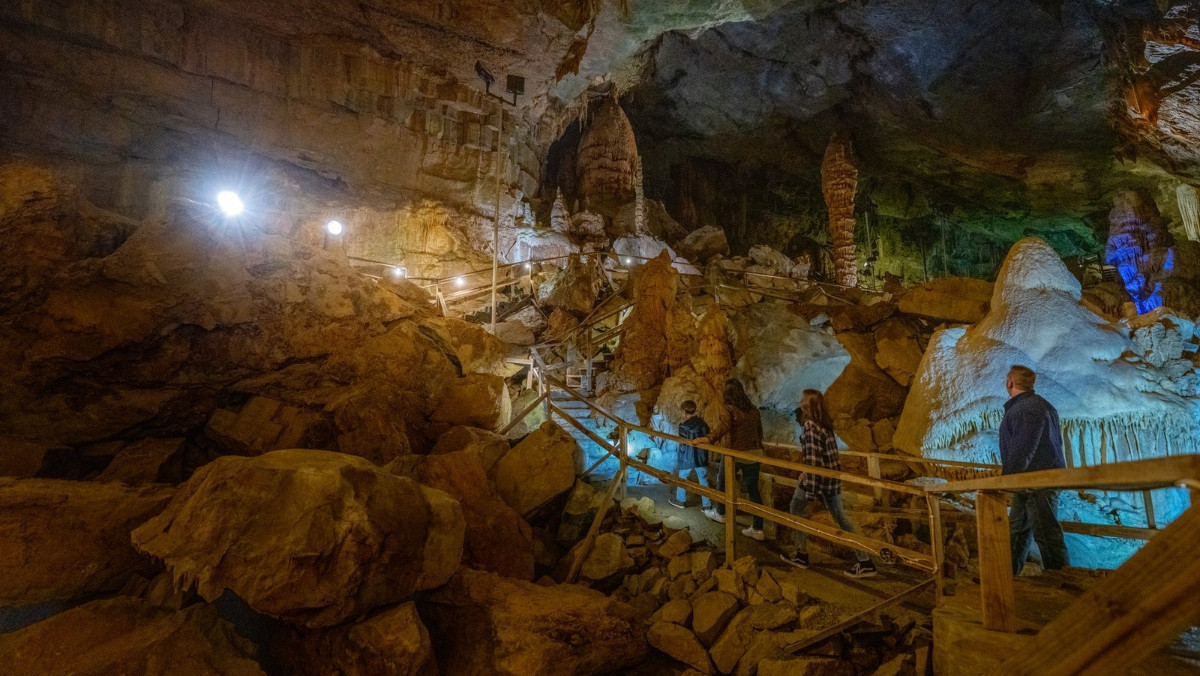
601	442
1136	475
937	542
875	472
521	416
995	562
1148	502
1126	615
730	499
590	538
1103	530
838	628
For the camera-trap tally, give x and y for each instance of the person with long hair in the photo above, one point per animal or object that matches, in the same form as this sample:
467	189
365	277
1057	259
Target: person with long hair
819	448
744	427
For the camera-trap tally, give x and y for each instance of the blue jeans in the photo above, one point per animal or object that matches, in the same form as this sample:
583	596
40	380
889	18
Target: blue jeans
802	506
1033	517
750	472
701	476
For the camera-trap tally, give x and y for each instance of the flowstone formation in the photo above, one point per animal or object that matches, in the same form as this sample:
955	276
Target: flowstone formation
1138	248
1118	397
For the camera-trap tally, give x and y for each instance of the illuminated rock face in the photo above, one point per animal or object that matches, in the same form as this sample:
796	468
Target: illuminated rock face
1114	403
1137	247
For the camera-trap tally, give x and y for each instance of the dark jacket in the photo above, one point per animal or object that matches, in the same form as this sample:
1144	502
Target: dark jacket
1030	437
687	456
744	429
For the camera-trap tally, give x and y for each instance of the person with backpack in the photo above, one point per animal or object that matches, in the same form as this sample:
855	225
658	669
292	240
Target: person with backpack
688	457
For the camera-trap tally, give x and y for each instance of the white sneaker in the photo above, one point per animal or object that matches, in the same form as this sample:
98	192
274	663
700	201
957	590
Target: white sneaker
752	532
713	514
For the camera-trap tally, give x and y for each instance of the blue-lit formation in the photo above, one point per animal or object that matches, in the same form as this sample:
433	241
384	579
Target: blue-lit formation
1127	255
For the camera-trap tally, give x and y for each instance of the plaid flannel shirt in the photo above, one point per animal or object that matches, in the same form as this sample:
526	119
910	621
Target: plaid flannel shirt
820	450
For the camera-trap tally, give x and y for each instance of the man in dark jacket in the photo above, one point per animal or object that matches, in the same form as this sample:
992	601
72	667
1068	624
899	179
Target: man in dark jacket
1031	440
688	457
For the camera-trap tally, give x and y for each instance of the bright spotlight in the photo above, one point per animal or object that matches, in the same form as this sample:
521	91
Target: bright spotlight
528	266
460	281
333	228
399	273
628	261
230	203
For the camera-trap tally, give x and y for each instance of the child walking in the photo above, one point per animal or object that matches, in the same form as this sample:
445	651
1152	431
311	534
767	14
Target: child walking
688	457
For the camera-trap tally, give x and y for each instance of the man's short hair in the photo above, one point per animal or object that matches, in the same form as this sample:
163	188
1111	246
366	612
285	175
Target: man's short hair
1022	377
688	407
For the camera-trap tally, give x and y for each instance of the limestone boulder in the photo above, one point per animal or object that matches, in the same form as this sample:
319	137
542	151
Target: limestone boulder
393	642
898	349
475	350
556	630
61	540
147	461
261	424
478	399
574	288
782	354
487	446
515	332
680	644
496	539
962	300
733	642
607	557
537	470
125	635
710	613
309	537
21	458
704	243
863	390
408	290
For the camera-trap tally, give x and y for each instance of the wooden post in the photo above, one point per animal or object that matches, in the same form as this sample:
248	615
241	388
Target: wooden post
623	454
1148	499
730	509
874	472
588	355
995	561
1124	616
938	544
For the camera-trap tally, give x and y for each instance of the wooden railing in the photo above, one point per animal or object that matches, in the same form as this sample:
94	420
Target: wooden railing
1131	612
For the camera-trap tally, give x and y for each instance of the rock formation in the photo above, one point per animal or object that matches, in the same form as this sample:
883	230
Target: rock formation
702	244
780	354
839	180
62	540
608	157
641	358
537	470
1138	248
393	642
310	537
561	630
1113	402
129	636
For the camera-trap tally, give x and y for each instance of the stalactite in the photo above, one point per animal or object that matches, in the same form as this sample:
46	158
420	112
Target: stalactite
1189	210
839	179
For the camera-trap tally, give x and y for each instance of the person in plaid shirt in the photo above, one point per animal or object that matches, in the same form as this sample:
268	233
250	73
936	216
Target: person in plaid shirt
819	448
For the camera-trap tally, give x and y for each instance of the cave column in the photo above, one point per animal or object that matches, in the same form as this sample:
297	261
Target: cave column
839	180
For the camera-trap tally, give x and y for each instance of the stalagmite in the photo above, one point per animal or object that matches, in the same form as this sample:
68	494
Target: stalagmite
1189	210
839	179
560	216
608	157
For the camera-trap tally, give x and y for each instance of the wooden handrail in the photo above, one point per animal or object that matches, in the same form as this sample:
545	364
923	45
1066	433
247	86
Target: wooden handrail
1135	475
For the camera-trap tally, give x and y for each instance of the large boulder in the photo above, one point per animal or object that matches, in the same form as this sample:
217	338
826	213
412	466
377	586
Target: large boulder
393	642
949	299
477	399
574	288
61	540
704	243
486	625
487	446
782	354
537	470
898	350
147	461
863	390
497	539
310	537
129	636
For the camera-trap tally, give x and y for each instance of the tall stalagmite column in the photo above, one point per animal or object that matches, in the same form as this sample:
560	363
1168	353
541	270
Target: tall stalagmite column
608	158
839	179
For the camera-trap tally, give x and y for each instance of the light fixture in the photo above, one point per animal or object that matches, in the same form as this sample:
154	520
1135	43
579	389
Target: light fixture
333	227
460	281
399	272
528	266
628	261
230	203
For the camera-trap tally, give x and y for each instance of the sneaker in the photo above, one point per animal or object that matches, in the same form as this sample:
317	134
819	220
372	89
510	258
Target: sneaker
713	514
755	533
799	560
675	503
862	569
